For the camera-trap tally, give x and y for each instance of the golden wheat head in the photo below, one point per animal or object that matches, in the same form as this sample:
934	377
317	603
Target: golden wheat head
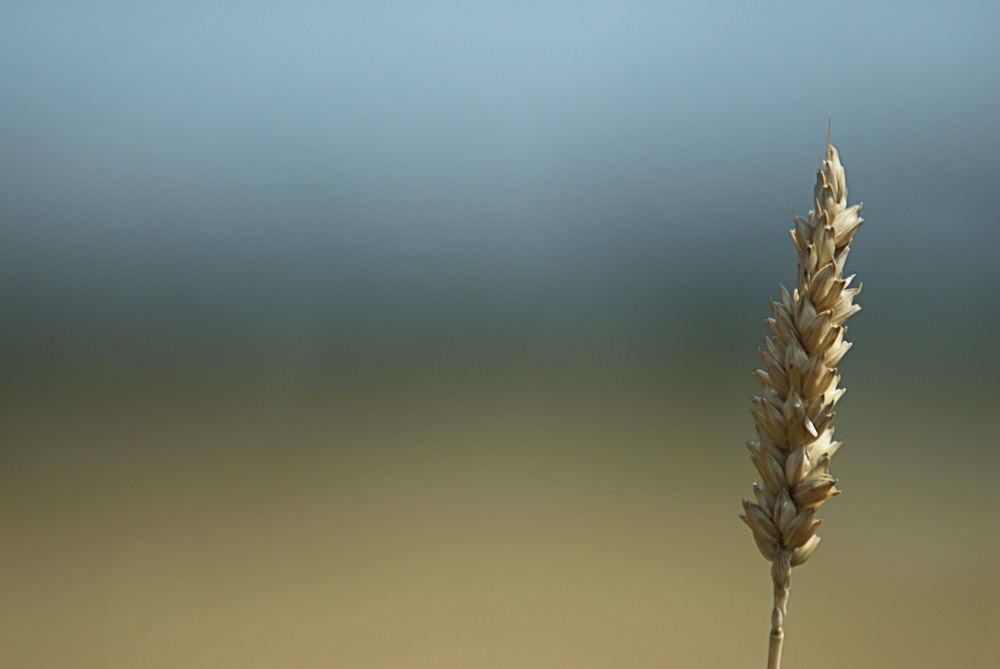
794	412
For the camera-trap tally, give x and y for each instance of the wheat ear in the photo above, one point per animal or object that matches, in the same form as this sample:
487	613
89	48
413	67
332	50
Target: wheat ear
799	390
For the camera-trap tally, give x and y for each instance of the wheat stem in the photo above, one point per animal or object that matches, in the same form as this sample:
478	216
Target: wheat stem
799	382
781	572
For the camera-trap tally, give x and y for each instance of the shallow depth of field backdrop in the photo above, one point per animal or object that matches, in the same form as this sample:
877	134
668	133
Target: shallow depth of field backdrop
365	335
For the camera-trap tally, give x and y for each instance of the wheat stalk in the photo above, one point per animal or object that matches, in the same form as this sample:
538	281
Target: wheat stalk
799	390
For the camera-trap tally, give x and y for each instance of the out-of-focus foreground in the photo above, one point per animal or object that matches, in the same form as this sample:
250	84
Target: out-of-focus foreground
573	517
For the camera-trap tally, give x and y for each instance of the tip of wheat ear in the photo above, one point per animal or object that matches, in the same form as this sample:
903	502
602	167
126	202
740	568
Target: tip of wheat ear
799	379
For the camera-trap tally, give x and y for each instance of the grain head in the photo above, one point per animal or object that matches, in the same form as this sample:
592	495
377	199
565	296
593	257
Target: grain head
800	387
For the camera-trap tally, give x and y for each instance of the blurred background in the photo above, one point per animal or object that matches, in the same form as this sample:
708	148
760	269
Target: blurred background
377	335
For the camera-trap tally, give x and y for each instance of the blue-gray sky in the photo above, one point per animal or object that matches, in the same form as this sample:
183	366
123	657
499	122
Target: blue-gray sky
376	162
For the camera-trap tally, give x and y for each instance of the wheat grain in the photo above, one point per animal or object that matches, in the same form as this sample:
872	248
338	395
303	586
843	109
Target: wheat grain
800	389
